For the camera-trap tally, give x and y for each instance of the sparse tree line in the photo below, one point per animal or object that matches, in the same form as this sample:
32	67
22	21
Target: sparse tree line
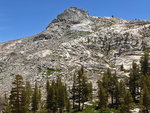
112	93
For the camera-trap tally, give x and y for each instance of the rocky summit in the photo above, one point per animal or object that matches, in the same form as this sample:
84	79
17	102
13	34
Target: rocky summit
73	39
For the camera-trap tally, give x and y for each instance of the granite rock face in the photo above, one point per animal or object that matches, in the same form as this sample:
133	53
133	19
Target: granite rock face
73	39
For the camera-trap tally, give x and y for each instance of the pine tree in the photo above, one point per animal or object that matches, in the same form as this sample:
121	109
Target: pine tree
29	93
7	105
35	98
128	102
79	87
74	91
102	96
146	81
119	93
61	96
47	85
39	98
81	90
90	91
146	98
68	106
51	98
48	103
105	80
16	94
134	81
85	91
110	83
113	80
26	97
144	64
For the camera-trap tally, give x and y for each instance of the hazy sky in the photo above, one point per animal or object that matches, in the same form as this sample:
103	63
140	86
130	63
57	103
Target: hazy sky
22	18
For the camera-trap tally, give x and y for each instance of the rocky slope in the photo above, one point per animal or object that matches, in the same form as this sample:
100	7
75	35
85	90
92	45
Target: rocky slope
73	39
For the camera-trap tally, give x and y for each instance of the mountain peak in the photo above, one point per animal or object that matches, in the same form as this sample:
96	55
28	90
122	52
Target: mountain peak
73	14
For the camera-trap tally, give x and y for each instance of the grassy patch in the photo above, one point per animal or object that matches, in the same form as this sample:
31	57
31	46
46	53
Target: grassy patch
39	70
82	33
51	71
12	74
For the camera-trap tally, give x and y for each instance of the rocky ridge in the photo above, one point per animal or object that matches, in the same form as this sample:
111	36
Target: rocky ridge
73	39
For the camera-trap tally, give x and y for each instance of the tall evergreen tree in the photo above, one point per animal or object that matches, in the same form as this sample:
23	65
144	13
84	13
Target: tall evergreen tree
134	81
47	85
113	80
7	105
86	91
102	96
79	87
90	91
81	90
35	98
68	106
128	102
48	96
26	97
145	99
16	95
61	96
119	93
51	98
74	91
144	64
110	83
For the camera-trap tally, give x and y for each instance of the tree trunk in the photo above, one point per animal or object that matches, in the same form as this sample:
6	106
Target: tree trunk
79	105
147	110
48	111
83	106
112	100
60	110
73	104
116	101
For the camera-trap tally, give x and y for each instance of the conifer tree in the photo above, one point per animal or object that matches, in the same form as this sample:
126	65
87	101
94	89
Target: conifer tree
68	106
39	97
144	64
24	104
16	95
128	102
110	83
26	97
35	98
145	99
61	96
47	85
134	81
48	103
146	81
86	91
74	91
51	98
7	105
79	87
105	80
90	91
102	96
119	93
113	80
81	90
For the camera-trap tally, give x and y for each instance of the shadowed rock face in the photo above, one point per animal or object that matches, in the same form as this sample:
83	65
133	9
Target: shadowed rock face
73	39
